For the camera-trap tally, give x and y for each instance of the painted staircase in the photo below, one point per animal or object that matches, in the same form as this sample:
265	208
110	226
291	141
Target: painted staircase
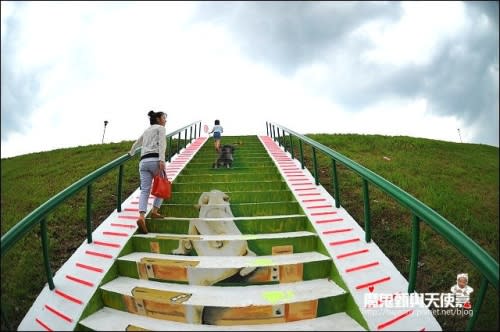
310	268
291	281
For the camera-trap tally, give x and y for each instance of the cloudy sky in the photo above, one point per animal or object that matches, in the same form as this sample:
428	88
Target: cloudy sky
423	69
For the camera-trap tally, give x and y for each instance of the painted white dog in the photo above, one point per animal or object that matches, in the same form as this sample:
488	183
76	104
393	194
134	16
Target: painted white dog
213	204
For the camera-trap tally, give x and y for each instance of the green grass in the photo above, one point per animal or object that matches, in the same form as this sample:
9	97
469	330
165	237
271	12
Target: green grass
459	181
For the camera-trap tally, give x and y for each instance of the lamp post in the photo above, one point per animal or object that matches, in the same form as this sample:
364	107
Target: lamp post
459	135
105	124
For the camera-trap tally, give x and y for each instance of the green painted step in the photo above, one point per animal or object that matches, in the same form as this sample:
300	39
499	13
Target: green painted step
238	139
261	244
243	151
236	163
239	210
276	224
236	156
228	177
233	170
237	149
241	144
237	196
225	187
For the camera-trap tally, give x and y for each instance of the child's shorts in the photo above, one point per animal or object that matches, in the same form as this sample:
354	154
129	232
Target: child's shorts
216	135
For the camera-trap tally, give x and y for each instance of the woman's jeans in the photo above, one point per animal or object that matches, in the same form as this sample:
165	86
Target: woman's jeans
147	170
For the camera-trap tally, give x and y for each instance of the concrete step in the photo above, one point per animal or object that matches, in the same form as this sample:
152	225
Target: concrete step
219	305
117	320
226	268
261	244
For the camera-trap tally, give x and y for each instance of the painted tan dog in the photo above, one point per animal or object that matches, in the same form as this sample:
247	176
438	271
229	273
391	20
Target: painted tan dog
213	204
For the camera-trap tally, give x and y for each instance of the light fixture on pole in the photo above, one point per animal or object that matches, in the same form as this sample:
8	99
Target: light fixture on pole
459	135
105	124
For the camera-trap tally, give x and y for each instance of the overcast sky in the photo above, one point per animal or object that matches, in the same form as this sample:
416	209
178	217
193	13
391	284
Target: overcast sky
423	69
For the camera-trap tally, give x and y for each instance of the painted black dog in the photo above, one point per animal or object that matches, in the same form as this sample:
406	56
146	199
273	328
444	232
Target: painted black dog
225	158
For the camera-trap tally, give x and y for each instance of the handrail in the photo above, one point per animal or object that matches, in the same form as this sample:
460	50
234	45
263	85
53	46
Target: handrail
39	214
485	263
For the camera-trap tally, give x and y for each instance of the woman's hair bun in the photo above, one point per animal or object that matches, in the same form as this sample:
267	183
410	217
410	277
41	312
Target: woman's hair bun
151	113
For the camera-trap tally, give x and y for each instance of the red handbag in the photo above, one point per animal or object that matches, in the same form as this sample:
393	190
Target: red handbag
162	187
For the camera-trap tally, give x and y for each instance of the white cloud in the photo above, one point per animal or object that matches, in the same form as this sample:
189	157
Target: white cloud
116	61
414	38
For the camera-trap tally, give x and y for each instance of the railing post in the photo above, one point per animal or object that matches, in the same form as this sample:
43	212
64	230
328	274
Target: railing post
301	154
283	139
190	134
279	142
415	248
179	142
477	306
274	134
119	189
89	214
169	147
199	130
335	183
366	199
267	129
45	249
185	137
291	145
315	166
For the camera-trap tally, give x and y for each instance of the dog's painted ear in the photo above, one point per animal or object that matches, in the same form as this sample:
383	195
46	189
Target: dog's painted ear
225	197
203	199
197	206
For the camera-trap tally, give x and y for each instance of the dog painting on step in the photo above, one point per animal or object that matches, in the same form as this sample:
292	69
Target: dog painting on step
225	158
213	204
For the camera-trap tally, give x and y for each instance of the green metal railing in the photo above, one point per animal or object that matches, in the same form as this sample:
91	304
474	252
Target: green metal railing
39	215
486	265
